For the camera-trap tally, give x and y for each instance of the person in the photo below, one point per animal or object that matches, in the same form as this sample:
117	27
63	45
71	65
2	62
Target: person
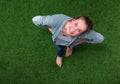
68	32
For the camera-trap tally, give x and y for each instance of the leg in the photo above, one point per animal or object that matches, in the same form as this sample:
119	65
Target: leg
60	50
68	51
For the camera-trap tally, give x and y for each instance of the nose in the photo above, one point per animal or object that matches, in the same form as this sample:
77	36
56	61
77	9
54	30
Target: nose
73	29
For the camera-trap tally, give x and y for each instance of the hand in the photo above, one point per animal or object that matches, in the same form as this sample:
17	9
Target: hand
50	29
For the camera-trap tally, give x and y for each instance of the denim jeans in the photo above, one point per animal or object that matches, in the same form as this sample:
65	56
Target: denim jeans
60	50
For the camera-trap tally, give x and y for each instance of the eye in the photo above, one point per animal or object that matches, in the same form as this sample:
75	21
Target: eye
75	24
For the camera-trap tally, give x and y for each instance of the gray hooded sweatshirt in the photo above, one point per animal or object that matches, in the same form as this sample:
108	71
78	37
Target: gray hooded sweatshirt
57	22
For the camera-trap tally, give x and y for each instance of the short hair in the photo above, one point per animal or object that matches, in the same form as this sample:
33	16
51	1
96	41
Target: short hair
87	20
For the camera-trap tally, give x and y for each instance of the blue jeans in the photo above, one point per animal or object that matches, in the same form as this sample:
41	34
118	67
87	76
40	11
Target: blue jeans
60	50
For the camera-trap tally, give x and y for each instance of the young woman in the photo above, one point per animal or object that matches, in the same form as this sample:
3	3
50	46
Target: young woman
68	32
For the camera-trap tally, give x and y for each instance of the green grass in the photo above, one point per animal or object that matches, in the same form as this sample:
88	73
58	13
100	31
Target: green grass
27	53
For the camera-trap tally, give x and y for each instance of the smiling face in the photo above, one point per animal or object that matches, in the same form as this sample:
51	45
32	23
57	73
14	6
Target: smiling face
74	27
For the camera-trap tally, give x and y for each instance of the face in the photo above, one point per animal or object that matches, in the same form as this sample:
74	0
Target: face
74	27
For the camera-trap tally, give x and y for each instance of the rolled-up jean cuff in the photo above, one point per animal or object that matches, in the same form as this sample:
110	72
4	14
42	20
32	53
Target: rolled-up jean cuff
60	50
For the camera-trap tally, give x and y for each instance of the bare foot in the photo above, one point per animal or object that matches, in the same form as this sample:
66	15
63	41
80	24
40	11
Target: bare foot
59	61
68	51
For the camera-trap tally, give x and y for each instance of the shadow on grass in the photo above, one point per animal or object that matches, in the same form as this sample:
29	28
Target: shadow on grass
90	47
89	51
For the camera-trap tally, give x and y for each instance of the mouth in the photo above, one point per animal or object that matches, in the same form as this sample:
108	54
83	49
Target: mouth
71	33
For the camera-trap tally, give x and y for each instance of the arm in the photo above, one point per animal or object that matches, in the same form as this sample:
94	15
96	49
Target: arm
92	37
49	21
79	42
43	21
95	37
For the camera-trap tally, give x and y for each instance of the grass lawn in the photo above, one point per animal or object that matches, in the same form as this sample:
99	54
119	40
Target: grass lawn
27	53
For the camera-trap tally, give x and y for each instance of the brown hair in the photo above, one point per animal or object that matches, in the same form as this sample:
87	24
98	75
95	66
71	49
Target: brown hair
88	21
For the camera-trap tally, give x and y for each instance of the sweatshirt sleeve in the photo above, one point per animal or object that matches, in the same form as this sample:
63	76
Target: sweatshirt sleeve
92	37
42	21
47	21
